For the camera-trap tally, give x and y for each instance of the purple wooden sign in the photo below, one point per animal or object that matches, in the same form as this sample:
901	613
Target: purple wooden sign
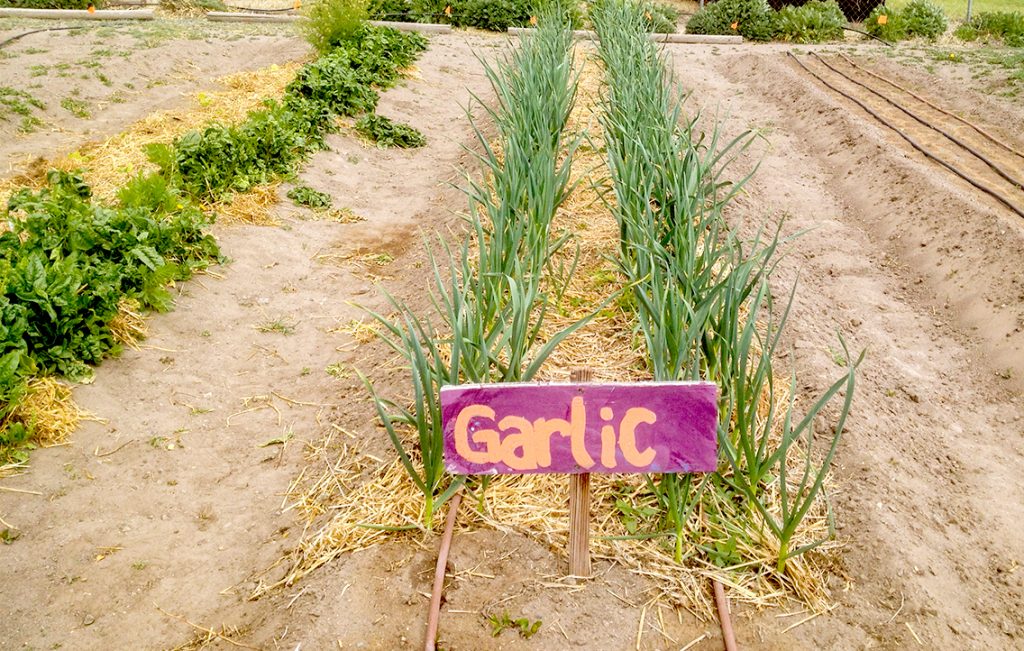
572	428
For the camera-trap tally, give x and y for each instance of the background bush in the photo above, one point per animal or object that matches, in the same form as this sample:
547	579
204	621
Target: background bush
885	23
923	18
661	18
753	19
814	22
1005	25
329	22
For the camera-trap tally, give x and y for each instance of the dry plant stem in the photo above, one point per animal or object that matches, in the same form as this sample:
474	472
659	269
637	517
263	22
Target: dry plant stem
722	602
442	566
579	508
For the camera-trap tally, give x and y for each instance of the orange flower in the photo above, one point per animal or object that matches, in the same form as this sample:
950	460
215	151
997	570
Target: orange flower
883	19
92	8
448	10
735	26
533	20
298	4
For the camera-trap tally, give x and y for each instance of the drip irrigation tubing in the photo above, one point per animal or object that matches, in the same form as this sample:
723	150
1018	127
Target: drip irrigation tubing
861	31
934	106
977	154
722	603
913	143
36	31
434	614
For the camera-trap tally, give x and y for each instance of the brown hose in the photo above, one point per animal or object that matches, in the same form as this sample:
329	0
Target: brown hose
977	154
442	567
937	108
913	143
728	637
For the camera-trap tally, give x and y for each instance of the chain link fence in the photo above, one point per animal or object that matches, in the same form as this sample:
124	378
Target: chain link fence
855	10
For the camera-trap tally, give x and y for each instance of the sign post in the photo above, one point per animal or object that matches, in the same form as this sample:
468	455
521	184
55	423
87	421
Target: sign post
580	428
579	507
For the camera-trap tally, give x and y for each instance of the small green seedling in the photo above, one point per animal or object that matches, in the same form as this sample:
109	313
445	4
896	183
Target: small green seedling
526	628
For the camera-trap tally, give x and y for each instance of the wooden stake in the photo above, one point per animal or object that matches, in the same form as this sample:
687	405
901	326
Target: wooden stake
579	507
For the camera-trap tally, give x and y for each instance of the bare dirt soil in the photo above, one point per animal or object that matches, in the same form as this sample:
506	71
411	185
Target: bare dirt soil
915	266
92	83
172	507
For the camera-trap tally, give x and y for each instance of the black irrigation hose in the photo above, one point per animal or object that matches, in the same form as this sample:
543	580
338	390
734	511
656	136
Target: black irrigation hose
937	108
913	143
36	31
261	11
977	154
861	31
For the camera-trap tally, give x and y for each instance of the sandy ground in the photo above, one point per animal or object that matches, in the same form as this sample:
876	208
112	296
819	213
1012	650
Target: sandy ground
93	83
123	544
929	501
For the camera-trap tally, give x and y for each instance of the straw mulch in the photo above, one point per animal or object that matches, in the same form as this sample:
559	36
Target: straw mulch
359	501
108	165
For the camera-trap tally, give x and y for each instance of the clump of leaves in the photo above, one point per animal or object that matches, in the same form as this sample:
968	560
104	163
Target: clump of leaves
815	22
1005	25
920	18
752	19
65	264
75	107
330	22
923	18
307	196
524	626
885	23
661	18
18	102
386	133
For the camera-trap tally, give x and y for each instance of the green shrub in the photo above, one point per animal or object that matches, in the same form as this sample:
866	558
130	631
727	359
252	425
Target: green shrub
492	15
396	10
752	19
386	133
329	22
1005	25
815	22
886	24
923	18
309	197
661	18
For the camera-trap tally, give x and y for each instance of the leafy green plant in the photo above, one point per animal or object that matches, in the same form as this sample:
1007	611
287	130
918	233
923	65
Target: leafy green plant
661	18
18	102
814	22
222	159
886	24
523	625
330	22
1005	25
386	133
924	19
920	18
396	10
65	264
76	107
309	197
752	19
